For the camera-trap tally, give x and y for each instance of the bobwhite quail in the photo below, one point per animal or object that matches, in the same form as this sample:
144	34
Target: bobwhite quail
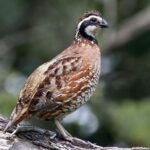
65	83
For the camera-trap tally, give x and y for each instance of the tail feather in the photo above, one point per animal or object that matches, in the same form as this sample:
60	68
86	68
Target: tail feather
15	118
11	121
8	126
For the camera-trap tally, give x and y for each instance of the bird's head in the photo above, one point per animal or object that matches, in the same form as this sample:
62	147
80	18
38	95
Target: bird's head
88	25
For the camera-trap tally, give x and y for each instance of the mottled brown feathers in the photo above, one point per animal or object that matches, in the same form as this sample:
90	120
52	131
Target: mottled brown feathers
61	85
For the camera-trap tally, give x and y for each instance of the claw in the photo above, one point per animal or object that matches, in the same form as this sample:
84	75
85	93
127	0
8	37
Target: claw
69	138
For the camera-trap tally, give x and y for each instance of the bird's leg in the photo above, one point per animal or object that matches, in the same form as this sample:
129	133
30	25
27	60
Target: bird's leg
12	135
66	135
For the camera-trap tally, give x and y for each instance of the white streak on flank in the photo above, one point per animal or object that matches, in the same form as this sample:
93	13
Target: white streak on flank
53	82
88	18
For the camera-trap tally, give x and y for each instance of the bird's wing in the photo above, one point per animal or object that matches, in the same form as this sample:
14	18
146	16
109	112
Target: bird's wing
51	85
64	80
47	87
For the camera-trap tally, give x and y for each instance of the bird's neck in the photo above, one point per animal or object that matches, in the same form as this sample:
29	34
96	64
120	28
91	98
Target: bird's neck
82	34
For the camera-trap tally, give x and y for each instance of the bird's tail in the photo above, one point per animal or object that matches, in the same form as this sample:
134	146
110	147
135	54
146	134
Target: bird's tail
15	118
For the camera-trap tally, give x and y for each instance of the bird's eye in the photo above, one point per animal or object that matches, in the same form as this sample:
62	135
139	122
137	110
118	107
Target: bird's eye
93	19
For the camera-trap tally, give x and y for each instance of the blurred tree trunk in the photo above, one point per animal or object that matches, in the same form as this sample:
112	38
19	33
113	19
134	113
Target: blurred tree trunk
33	139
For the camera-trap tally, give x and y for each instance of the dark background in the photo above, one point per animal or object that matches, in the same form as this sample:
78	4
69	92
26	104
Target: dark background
34	31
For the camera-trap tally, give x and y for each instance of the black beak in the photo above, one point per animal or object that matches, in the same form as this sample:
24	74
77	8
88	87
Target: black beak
103	24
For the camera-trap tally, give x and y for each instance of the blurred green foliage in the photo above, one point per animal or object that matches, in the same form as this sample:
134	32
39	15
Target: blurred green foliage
32	32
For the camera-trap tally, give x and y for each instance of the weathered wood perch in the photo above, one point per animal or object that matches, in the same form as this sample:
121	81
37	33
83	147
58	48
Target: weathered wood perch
32	139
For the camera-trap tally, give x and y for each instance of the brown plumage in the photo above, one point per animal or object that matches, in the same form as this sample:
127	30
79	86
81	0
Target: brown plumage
65	83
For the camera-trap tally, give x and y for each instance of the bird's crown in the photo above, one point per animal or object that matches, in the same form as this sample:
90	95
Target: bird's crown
89	13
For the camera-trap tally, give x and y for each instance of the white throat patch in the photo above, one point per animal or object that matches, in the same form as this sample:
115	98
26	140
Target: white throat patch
90	30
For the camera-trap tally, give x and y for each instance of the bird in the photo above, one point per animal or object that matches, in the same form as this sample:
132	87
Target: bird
63	84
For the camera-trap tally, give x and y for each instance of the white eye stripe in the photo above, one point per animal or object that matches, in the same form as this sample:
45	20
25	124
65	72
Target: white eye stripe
88	18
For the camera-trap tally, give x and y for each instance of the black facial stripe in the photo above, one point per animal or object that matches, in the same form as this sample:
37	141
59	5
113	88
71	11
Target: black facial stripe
83	33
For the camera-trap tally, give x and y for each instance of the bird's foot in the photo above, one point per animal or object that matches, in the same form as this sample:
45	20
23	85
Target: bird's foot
68	138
